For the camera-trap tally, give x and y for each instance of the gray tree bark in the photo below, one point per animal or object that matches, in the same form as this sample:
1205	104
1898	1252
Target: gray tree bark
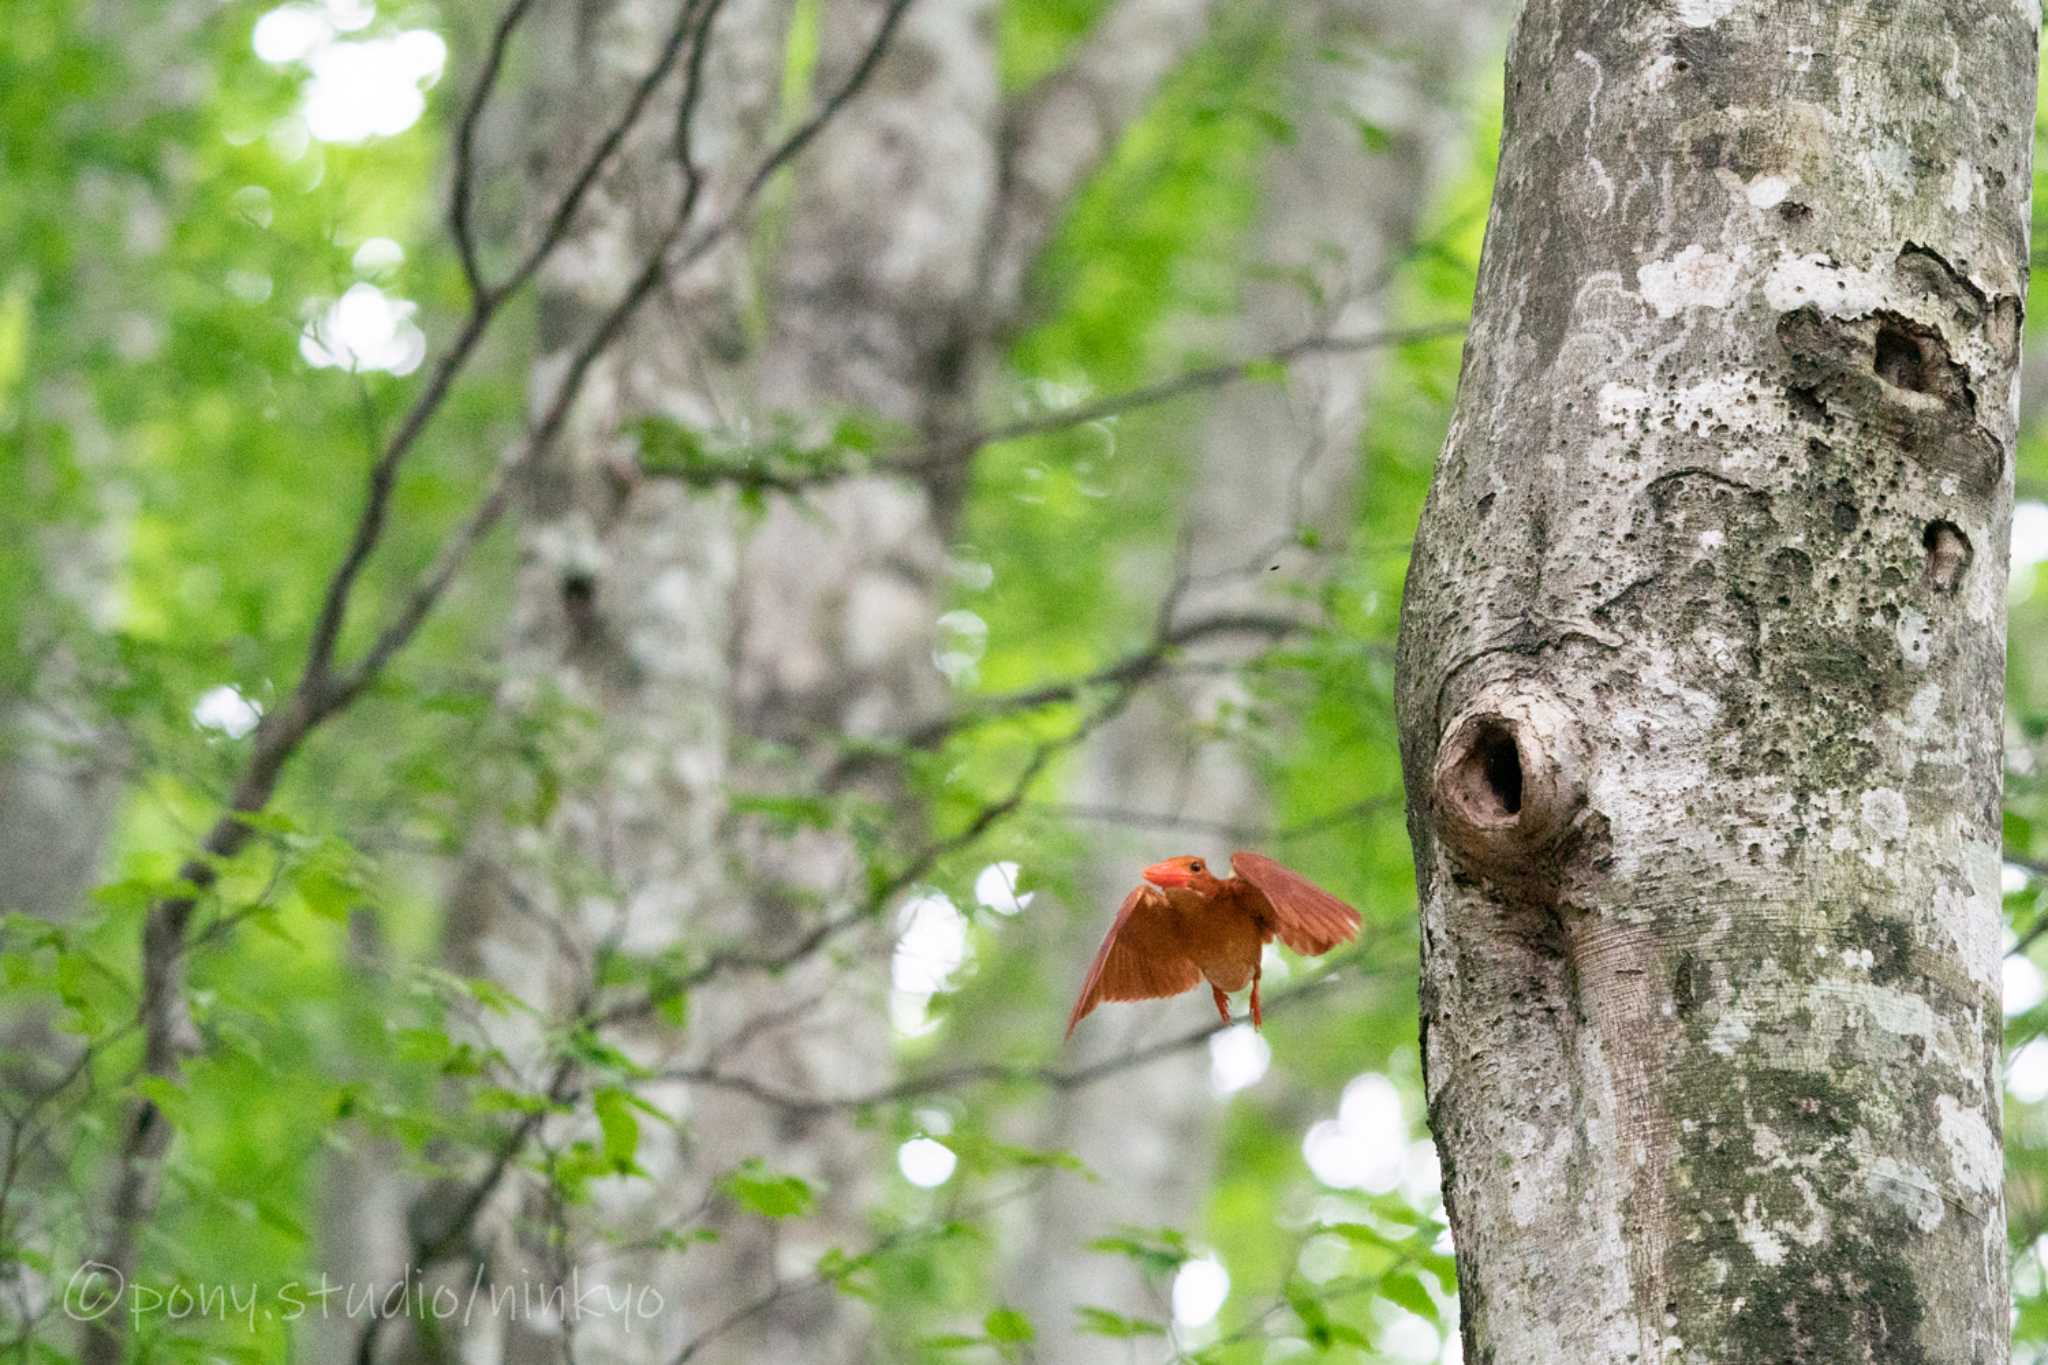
1270	461
1700	679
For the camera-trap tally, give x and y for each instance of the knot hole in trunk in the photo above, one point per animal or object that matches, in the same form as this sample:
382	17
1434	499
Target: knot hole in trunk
1484	782
1508	785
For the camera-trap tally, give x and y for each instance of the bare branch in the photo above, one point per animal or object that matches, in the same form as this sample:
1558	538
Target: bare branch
462	195
935	457
1128	672
485	303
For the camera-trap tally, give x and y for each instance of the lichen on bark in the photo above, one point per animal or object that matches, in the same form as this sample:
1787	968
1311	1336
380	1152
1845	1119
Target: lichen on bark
1713	1062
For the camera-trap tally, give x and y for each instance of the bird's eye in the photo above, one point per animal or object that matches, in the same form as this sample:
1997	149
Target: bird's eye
1195	866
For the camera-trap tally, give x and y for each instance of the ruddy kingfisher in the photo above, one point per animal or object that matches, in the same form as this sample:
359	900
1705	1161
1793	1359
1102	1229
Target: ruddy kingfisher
1183	925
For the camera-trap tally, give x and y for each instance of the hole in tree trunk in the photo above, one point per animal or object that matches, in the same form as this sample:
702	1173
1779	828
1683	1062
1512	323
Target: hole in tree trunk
1899	361
1948	555
1485	783
1503	770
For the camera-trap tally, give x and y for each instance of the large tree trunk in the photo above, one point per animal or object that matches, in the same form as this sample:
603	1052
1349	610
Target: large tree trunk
618	654
1701	668
1339	214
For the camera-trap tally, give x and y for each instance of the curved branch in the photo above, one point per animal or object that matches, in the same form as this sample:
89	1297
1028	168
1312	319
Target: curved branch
461	197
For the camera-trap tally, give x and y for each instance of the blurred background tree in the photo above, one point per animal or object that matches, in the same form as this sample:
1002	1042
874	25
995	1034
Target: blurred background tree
1004	487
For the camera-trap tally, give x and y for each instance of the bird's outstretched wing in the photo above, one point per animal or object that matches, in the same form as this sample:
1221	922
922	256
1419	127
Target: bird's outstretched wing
1307	918
1141	957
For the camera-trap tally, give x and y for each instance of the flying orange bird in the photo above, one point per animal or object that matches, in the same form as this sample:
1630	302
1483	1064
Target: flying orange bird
1182	925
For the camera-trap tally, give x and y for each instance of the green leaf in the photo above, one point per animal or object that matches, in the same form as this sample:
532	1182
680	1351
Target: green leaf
620	1129
953	1341
755	1188
1401	1287
1373	137
1102	1322
328	895
1157	1251
166	1095
1363	1234
1007	1324
139	893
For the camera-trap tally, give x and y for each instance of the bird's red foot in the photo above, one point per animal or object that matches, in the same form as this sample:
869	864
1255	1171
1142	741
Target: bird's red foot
1222	1001
1256	1020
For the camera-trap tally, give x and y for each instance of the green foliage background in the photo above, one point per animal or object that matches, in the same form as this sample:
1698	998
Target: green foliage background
161	248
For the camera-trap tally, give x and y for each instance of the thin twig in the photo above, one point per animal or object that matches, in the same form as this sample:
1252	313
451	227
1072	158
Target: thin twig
927	459
1133	669
462	195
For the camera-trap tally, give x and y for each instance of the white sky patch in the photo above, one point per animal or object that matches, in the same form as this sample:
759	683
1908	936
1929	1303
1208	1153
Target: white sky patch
1409	1338
1422	1175
931	946
350	15
976	575
910	1014
995	887
226	710
2029	537
1323	1259
365	329
2013	879
2026	1074
291	33
377	255
963	639
926	1162
1238	1057
1366	1146
250	286
372	88
1199	1288
1694	278
2023	985
357	89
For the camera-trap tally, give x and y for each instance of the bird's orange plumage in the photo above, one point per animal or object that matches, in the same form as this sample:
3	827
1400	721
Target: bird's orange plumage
1183	925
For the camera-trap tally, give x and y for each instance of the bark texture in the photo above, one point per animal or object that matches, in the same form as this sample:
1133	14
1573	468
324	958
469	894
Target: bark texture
1700	682
1269	460
619	652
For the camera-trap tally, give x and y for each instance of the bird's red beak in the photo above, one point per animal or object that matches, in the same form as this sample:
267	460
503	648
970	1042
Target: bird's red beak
1166	874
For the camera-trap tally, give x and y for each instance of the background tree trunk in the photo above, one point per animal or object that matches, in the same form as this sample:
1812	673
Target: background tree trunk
1701	668
721	652
618	655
